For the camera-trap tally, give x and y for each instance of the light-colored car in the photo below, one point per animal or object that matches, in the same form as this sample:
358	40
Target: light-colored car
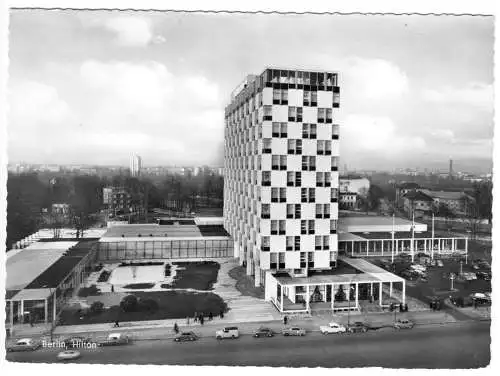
115	339
24	344
418	268
440	263
294	331
228	332
68	355
332	327
404	324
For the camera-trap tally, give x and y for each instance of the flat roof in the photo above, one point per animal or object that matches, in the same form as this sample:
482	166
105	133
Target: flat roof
372	220
56	272
353	271
27	264
399	235
165	231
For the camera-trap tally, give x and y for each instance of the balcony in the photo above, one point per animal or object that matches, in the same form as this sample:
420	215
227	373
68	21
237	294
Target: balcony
334	168
282	265
265	215
266	183
273	265
335	136
333	231
268	118
303	264
265	249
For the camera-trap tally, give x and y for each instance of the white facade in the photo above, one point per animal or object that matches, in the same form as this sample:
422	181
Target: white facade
354	185
135	165
281	172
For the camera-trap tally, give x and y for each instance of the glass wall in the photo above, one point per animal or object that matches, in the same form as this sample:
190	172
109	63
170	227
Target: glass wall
165	249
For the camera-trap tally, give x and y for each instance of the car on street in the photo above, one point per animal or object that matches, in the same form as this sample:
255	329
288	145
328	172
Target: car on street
68	355
294	331
410	275
185	336
227	332
24	344
357	327
263	332
404	324
73	342
332	328
115	339
439	263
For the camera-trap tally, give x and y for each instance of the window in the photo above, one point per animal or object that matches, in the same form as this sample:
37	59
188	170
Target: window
320	179
333	226
314	99
312	131
336	97
275	162
274	227
276	96
281	260
266	146
328	179
266	178
318	243
292	113
293	211
293	243
283	130
276	129
320	148
319	210
335	163
282	194
308	163
329	115
307	194
307	98
268	113
265	211
290	179
282	227
278	194
328	148
299	114
282	163
305	130
321	115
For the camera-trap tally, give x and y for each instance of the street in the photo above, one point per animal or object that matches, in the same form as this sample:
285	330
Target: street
464	345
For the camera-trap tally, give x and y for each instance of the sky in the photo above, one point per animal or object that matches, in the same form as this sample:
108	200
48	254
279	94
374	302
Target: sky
94	87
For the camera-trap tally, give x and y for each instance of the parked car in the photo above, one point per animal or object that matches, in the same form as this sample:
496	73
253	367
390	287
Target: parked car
24	344
484	275
294	331
439	263
462	301
357	327
403	324
483	264
418	268
227	332
115	339
77	341
409	275
332	327
185	336
263	332
68	355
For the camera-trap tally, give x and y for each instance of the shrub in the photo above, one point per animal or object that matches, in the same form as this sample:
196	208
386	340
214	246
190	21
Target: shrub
149	305
89	291
139	286
129	303
96	308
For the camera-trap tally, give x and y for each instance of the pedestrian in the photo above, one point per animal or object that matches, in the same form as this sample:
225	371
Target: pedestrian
221	314
202	319
210	316
176	328
112	288
187	320
117	324
285	320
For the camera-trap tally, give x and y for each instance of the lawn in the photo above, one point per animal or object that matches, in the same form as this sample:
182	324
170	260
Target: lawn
139	286
172	305
195	275
245	284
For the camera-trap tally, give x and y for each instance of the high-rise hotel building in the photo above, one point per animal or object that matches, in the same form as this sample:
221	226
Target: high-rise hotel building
281	172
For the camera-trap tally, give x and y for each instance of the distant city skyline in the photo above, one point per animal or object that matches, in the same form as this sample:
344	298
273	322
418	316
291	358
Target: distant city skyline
93	87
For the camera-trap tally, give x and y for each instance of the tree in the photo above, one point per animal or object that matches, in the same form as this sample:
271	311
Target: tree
97	307
129	303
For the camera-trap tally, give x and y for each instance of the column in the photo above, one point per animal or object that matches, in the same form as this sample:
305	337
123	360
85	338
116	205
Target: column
46	307
21	312
371	289
380	293
11	316
356	297
257	276
382	243
333	296
307	297
54	313
367	243
390	289
352	249
404	292
281	300
466	245
324	293
425	245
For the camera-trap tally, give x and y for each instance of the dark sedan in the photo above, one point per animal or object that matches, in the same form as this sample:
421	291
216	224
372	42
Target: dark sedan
263	332
185	336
